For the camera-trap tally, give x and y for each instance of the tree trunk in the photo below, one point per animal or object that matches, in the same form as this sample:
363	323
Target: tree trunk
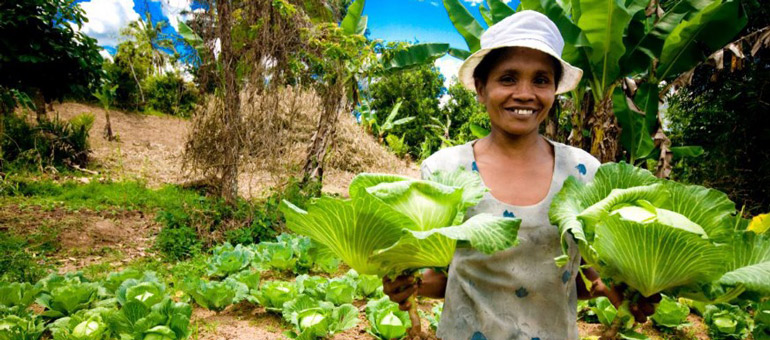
231	116
580	108
324	135
138	85
604	131
108	126
39	101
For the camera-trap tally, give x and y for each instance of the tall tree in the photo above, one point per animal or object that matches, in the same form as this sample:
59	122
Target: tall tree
43	54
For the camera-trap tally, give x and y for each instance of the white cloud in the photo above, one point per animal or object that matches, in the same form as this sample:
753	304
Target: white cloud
106	18
105	54
474	2
435	4
448	66
173	10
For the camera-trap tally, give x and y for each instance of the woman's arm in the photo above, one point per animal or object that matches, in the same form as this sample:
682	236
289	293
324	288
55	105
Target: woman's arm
641	308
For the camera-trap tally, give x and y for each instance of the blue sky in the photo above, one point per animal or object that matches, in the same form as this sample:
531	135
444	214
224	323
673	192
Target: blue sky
389	20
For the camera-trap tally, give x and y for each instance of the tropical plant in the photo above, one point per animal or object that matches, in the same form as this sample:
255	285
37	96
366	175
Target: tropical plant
386	321
614	40
313	319
394	224
106	95
670	313
215	295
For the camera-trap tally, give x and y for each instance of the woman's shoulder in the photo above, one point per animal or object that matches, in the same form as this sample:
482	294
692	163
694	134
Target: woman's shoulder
449	159
577	161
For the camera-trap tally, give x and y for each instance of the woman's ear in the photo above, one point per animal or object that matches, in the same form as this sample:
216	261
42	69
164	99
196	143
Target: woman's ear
480	96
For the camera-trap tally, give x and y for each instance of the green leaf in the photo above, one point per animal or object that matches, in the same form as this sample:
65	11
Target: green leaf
343	318
670	313
748	262
646	99
708	208
470	182
464	23
499	10
353	21
478	131
634	137
680	152
693	40
486	15
603	23
458	53
435	247
189	36
605	311
654	257
414	56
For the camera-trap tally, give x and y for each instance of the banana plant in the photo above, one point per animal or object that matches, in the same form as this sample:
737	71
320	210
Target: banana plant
616	40
391	122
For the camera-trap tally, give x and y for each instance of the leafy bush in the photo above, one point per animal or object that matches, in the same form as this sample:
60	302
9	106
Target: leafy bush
170	94
178	243
53	142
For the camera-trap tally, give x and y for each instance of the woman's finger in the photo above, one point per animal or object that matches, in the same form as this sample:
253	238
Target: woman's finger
637	313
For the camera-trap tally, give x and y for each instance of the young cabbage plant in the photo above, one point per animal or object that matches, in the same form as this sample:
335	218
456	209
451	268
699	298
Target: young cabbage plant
273	294
670	314
215	295
386	321
340	291
227	260
394	225
166	320
115	279
16	297
16	327
68	298
83	325
762	321
726	321
313	286
314	319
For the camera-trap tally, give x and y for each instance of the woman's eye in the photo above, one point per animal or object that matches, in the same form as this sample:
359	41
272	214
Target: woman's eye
542	80
507	79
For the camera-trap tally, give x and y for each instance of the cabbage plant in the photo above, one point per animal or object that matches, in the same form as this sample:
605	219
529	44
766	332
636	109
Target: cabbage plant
670	313
726	321
215	295
394	225
166	320
16	297
386	321
314	319
273	294
227	260
313	286
17	327
68	298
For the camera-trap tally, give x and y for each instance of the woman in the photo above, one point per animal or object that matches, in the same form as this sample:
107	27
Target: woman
519	293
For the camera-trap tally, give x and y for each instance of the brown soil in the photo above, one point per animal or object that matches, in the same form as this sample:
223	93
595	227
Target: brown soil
150	148
81	238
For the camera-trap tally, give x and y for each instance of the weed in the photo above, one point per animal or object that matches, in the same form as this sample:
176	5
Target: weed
18	263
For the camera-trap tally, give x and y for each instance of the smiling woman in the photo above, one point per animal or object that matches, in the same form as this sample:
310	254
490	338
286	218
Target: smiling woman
518	293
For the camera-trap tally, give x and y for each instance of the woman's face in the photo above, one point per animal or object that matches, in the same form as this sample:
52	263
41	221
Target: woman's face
519	91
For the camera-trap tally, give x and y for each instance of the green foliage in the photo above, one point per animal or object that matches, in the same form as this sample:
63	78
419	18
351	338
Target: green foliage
397	145
418	90
170	94
726	321
16	297
386	321
53	142
727	118
295	253
762	321
17	263
51	55
340	291
67	298
313	286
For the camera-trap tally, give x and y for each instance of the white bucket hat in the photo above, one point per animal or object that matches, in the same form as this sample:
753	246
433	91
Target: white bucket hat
523	29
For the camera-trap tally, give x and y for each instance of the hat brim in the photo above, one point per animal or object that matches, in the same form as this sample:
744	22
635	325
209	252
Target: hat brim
570	74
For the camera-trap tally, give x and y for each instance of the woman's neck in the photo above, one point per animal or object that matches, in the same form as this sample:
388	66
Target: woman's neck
515	147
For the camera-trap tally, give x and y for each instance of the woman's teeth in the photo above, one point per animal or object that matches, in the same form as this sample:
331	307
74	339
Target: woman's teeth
522	112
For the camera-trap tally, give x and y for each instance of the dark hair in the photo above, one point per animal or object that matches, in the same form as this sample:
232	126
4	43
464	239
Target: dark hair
482	70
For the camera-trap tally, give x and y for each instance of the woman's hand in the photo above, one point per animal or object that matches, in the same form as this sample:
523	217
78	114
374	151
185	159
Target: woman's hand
641	307
431	284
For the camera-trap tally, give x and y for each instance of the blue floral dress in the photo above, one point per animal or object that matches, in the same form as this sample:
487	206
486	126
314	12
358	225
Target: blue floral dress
519	293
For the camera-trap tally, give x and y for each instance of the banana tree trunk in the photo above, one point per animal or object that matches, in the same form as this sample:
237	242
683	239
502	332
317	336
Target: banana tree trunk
108	126
605	132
